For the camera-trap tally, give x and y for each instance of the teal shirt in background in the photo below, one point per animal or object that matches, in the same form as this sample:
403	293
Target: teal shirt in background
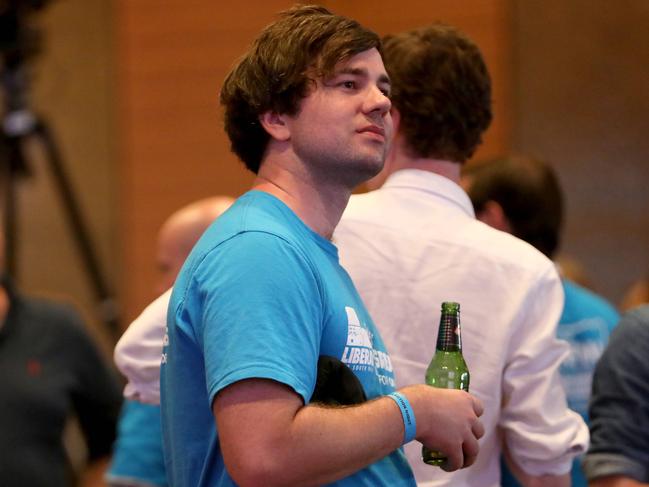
586	324
137	454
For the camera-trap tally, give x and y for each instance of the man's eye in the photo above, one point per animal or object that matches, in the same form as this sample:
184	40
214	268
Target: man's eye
349	84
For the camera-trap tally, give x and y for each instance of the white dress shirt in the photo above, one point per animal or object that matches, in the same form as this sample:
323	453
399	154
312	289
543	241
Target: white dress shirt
415	243
138	352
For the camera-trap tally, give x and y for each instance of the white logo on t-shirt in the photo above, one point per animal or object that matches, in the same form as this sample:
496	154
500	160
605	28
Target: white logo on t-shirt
359	353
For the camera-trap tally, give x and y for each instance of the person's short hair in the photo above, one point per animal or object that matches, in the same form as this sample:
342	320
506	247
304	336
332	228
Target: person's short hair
305	43
442	90
529	193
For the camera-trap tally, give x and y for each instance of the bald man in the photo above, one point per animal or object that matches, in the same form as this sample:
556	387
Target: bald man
138	352
181	231
137	459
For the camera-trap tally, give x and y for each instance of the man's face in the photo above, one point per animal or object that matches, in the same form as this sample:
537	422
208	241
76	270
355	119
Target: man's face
344	125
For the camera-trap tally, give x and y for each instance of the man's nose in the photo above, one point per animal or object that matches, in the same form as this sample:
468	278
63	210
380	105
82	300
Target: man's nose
377	100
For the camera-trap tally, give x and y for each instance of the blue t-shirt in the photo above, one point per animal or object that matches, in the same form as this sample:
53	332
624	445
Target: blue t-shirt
261	296
137	453
586	323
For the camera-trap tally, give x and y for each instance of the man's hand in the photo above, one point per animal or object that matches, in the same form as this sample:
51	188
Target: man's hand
447	421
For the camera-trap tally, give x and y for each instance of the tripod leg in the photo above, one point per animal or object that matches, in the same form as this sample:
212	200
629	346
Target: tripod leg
10	225
107	304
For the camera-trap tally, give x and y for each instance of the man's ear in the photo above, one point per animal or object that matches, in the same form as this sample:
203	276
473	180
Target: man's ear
275	124
494	216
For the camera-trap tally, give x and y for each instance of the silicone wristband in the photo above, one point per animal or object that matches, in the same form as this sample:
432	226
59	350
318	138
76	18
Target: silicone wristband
408	416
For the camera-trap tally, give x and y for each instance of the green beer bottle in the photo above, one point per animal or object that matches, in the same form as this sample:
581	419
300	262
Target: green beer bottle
447	369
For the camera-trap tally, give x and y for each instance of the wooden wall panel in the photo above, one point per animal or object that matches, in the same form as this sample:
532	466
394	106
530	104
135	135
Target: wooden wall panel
172	56
69	85
583	99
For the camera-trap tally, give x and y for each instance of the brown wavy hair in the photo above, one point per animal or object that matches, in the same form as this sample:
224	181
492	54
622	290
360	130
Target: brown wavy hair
442	90
305	43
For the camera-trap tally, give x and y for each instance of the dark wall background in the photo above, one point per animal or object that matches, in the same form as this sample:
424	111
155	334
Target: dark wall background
582	103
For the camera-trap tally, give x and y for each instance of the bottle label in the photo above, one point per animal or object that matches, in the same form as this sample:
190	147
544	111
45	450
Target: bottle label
449	334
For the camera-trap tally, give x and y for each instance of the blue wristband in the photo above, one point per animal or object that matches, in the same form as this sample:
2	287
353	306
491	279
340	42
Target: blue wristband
408	416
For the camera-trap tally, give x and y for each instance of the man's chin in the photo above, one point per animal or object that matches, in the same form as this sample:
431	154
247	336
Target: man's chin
365	172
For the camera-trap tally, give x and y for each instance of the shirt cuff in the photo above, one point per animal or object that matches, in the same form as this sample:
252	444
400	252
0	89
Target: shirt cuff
597	465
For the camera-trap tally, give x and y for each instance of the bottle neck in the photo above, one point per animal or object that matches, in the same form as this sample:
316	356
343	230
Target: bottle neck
449	337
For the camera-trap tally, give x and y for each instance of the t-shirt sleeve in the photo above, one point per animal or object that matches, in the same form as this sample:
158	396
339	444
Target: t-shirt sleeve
619	409
261	313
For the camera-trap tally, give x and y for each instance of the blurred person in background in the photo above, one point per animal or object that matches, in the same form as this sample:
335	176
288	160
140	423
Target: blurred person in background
137	455
50	371
618	455
415	242
522	196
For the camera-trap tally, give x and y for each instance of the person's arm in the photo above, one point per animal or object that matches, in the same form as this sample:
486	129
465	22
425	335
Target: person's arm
527	480
95	396
542	434
138	351
266	432
616	481
619	416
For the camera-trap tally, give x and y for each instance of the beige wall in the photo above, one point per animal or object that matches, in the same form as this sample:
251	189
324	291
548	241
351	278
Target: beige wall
72	90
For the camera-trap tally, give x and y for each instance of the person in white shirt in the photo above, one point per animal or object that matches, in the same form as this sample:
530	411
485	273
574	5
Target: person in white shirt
137	354
415	242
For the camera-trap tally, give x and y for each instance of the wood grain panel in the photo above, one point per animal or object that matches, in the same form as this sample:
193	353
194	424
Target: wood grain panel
583	101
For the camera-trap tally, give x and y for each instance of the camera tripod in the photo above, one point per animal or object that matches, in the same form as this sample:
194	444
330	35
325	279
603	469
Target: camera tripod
20	126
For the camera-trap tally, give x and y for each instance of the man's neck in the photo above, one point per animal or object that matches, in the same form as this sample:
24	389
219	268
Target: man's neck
399	159
318	205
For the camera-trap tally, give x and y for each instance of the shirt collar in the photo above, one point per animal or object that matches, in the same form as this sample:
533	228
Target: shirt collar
438	186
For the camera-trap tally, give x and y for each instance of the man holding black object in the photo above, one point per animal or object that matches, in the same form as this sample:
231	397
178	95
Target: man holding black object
262	295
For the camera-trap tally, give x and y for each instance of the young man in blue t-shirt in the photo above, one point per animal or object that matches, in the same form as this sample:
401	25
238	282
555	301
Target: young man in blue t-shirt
262	295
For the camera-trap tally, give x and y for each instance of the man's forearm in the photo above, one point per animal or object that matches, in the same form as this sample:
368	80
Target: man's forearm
268	437
319	445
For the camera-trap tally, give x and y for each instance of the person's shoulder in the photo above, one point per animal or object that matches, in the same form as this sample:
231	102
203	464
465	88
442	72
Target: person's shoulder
49	310
504	248
252	216
634	322
53	318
